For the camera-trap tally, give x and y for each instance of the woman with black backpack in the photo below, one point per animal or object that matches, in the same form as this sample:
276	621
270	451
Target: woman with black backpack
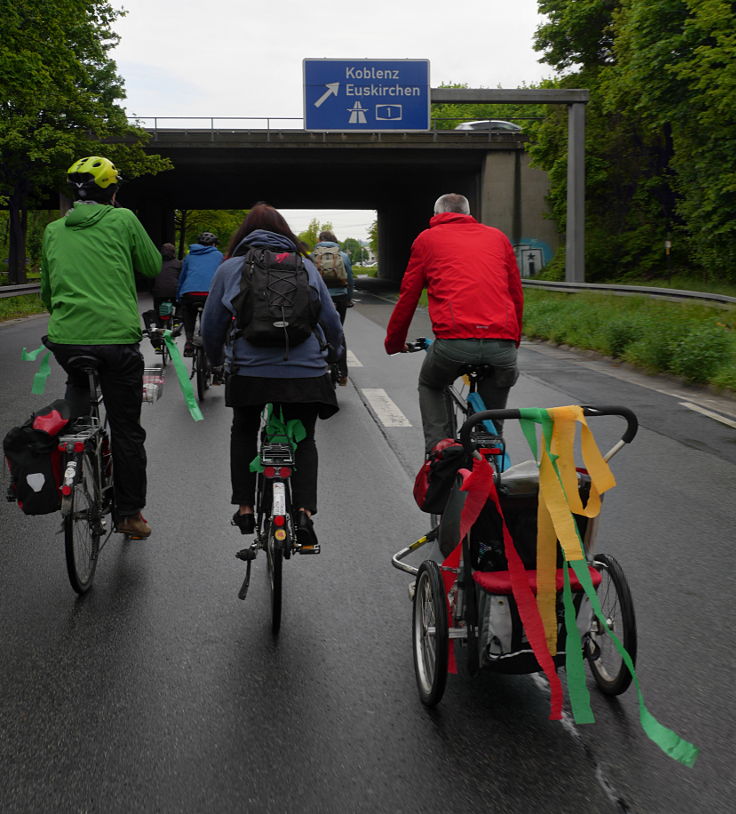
270	318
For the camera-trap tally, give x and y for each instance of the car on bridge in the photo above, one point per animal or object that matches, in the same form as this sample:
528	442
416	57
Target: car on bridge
490	125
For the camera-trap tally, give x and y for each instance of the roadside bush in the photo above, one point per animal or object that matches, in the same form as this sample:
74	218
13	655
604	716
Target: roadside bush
652	350
698	356
618	336
693	341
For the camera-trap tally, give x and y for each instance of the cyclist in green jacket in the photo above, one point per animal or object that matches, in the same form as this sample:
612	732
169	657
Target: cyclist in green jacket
88	266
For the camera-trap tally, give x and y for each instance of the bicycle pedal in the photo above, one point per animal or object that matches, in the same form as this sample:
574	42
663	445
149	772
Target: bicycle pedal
310	549
246	554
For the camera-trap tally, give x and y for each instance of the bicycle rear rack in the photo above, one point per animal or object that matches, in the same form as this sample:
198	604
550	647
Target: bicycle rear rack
277	455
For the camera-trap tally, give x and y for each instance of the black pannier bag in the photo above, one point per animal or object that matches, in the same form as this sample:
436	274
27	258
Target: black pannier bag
275	307
33	458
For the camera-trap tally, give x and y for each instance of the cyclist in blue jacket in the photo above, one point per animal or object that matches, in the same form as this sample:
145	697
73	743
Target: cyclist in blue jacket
197	271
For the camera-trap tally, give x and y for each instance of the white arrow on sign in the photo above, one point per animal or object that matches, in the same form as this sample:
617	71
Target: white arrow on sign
332	88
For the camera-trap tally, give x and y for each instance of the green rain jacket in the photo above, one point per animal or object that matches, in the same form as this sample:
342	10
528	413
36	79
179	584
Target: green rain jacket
87	275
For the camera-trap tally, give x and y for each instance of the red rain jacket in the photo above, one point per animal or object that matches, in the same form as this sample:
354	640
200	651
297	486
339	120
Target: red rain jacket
472	280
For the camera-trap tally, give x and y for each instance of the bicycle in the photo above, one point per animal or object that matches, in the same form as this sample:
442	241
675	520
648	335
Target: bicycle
201	370
274	523
87	490
167	320
463	400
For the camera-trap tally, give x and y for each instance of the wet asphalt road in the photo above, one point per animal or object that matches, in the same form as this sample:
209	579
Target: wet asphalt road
161	691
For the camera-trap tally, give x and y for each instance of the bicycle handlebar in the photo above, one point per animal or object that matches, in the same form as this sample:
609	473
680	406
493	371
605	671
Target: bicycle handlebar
632	423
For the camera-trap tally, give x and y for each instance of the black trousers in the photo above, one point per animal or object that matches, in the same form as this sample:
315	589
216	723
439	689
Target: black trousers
244	447
188	307
121	382
341	306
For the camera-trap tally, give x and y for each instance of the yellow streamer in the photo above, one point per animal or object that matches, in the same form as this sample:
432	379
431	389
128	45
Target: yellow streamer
559	499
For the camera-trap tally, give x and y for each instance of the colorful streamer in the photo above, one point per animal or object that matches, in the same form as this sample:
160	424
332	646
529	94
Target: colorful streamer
279	431
39	380
183	378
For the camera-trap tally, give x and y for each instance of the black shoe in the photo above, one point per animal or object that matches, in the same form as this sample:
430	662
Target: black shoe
305	535
245	522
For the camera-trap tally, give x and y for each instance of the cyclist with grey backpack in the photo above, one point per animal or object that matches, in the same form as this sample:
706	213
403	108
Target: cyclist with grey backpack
337	272
270	318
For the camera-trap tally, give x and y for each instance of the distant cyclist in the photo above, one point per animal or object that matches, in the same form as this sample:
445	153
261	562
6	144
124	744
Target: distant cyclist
475	305
340	290
197	271
88	264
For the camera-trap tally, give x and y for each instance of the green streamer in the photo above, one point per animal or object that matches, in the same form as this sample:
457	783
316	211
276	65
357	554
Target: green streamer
574	667
668	741
279	431
39	380
183	377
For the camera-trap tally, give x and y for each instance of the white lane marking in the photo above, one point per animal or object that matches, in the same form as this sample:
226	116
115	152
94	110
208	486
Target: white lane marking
708	413
386	411
353	360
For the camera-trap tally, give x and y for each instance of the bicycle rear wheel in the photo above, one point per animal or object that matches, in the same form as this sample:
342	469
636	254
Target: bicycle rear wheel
82	528
203	372
456	406
275	558
609	670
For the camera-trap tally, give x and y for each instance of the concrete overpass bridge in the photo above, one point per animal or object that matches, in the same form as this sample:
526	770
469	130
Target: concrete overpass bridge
399	174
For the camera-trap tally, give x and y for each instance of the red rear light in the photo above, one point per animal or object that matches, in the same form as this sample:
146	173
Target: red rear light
79	446
285	472
269	472
62	447
66	489
279	520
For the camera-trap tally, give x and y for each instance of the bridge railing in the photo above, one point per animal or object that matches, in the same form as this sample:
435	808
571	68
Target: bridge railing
156	123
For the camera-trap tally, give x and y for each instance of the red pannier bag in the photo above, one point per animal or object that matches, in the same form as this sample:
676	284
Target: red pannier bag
33	458
435	478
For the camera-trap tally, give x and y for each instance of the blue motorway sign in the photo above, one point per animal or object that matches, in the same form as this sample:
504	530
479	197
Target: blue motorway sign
366	94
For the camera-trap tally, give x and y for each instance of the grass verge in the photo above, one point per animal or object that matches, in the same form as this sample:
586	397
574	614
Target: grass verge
25	306
692	341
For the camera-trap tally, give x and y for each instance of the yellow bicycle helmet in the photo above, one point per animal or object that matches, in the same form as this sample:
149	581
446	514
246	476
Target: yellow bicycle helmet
93	171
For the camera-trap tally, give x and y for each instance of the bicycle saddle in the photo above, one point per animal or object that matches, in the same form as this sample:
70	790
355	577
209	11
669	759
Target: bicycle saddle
479	371
83	362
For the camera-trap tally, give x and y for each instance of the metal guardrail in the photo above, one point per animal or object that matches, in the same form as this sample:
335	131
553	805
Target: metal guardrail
647	291
19	290
569	288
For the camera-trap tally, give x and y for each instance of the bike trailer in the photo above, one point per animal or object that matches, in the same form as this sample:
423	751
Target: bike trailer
33	458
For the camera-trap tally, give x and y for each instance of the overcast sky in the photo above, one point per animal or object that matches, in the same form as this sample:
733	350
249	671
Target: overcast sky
233	58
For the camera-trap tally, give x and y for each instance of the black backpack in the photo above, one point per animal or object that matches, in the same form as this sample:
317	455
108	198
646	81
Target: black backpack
275	307
32	455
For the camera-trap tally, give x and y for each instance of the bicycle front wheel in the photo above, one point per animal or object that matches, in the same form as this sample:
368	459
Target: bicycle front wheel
165	355
82	529
430	637
275	558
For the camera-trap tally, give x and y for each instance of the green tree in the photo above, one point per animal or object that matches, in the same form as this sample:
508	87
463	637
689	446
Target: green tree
373	237
59	102
189	223
659	143
310	235
354	250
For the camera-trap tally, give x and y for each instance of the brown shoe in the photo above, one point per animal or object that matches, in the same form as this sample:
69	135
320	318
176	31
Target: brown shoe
134	526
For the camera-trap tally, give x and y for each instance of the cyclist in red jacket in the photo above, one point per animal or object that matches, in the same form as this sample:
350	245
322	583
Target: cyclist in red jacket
475	304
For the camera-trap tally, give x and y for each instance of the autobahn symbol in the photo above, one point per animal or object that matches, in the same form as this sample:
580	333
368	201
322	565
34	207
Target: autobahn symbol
366	94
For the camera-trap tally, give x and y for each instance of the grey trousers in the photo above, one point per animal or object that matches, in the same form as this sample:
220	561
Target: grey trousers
442	366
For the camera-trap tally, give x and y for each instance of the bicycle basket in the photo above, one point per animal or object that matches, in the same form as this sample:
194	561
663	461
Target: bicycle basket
153	384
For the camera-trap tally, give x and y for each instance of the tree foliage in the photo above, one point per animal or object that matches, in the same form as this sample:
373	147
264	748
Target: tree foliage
660	158
310	236
60	90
